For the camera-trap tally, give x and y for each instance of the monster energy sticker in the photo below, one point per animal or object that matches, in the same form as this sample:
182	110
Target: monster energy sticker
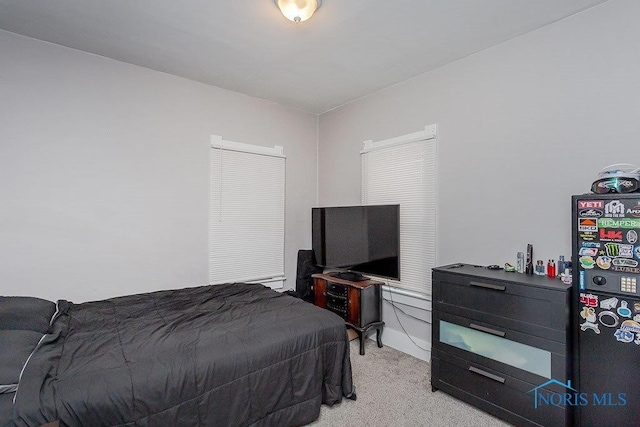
618	250
619	222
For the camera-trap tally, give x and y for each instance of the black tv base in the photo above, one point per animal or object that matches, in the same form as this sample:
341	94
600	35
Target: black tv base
351	276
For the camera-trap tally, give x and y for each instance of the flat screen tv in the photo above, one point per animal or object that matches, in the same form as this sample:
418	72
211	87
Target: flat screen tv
357	240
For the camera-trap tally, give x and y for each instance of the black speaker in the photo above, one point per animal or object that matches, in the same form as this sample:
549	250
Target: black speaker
304	281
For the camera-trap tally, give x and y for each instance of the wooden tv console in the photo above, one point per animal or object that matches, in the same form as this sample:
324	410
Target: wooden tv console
358	303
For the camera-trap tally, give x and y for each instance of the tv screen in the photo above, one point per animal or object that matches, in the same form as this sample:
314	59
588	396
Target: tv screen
362	239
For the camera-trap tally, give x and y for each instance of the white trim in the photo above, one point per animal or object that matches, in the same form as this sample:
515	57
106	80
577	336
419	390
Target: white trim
429	132
218	142
274	283
398	339
254	280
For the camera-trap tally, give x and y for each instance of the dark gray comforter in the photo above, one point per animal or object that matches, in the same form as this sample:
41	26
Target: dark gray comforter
223	355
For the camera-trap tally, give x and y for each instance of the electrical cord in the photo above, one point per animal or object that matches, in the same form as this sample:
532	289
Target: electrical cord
393	304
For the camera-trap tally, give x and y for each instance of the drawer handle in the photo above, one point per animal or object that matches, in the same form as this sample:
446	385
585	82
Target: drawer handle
489	286
486	374
487	330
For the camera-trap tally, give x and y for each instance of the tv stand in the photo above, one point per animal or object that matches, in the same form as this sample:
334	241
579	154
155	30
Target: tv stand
351	276
359	303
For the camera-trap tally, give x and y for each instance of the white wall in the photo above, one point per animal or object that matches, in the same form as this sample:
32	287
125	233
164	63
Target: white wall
521	127
104	172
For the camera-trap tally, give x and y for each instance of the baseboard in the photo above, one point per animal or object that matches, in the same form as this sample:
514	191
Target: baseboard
401	342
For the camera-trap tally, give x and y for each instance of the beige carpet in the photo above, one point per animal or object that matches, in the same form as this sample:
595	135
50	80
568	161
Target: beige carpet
393	389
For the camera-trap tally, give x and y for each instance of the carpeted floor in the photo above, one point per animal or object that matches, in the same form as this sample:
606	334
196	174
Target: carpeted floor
393	389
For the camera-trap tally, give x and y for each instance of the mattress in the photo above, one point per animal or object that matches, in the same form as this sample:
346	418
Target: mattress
232	355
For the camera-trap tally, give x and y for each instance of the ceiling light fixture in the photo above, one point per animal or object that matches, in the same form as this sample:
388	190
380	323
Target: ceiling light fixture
298	10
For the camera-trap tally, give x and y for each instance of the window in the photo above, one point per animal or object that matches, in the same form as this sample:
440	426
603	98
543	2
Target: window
246	221
402	171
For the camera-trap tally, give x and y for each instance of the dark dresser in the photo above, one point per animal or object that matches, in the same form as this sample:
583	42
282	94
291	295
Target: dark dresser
500	340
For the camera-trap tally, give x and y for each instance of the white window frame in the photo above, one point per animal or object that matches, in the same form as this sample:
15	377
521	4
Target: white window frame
418	221
227	260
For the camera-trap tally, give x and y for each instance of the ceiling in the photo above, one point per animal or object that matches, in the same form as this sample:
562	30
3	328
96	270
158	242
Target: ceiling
348	49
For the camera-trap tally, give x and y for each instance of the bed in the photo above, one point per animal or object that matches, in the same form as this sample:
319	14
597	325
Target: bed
232	355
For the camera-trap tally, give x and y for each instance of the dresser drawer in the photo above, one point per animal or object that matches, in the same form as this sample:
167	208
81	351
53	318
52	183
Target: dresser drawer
494	391
534	310
529	358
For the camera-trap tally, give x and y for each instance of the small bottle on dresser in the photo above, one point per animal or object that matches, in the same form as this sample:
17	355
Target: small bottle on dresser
551	268
520	262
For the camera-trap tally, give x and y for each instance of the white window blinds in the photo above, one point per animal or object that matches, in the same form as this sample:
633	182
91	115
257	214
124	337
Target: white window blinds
402	171
246	235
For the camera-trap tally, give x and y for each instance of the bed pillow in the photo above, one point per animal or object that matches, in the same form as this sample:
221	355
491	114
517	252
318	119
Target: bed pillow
25	313
16	348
